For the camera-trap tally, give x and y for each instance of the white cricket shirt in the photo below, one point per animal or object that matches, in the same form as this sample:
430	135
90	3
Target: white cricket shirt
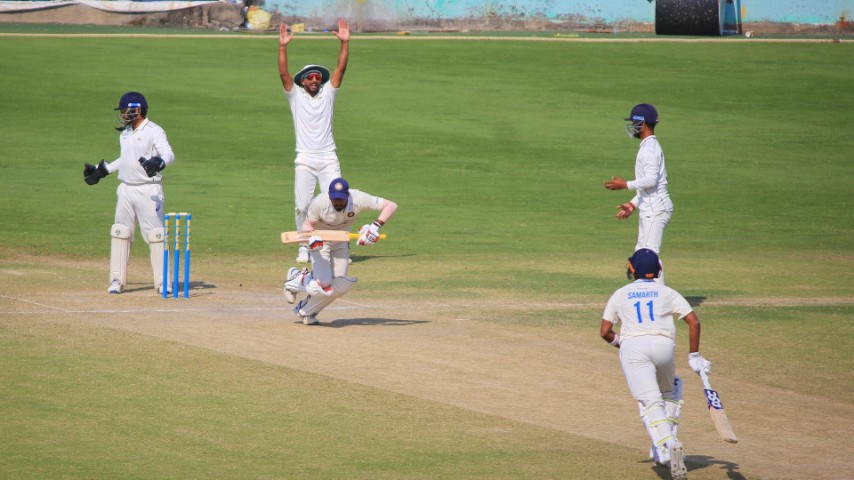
646	307
148	140
650	179
313	118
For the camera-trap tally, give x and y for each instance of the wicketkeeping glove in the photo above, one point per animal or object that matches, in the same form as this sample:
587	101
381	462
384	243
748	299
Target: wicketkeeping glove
315	243
698	363
369	234
152	165
93	174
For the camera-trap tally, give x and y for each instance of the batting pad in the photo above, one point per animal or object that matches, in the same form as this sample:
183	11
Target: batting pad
120	252
155	246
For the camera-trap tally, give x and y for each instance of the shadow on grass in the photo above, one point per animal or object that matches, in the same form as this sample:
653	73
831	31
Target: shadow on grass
141	287
695	301
352	322
699	462
364	258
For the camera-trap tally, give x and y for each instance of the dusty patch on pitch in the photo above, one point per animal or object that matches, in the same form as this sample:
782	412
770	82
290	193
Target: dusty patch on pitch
456	354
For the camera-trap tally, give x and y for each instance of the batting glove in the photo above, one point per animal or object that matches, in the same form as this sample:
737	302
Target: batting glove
315	243
152	165
698	363
369	234
93	174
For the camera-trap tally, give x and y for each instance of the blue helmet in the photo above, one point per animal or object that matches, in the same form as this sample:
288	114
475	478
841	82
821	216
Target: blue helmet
131	106
642	114
643	264
132	100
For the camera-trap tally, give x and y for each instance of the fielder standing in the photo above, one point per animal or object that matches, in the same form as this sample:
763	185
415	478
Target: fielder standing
651	198
335	210
646	311
312	109
145	152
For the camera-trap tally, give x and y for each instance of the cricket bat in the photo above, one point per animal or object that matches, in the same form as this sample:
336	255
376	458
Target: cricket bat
326	235
716	409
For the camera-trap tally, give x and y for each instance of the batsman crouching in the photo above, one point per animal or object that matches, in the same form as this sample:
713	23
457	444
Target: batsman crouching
336	209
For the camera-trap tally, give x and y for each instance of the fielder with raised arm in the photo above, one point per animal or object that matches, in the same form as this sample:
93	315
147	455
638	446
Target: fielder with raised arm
646	311
312	103
651	198
145	152
328	281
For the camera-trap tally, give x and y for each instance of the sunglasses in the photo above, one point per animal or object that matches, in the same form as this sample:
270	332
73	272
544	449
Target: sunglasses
312	77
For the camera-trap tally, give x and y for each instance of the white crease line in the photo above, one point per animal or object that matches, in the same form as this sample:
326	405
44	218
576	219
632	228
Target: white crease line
33	303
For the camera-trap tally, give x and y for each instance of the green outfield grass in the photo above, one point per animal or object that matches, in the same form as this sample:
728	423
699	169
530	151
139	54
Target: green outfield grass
496	153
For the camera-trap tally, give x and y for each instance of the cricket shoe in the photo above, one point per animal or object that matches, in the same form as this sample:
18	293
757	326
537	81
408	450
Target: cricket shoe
160	290
306	319
677	462
302	254
660	455
115	287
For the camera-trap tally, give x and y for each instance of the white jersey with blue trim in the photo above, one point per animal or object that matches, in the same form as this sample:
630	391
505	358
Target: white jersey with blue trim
646	307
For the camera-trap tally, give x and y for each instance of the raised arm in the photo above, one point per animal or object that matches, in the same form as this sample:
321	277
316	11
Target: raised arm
343	34
284	40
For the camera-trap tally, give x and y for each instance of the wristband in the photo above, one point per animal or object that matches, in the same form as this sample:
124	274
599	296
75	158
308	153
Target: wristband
616	341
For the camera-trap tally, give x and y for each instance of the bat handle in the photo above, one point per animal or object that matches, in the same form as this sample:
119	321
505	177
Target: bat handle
356	235
705	378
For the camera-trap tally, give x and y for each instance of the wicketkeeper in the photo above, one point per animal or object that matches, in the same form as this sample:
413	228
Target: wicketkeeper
335	210
145	152
646	311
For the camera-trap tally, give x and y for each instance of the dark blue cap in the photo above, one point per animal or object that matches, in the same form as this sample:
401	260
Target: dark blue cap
132	100
339	189
645	113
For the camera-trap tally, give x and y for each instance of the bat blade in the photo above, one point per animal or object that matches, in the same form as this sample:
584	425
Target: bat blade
326	235
716	410
722	425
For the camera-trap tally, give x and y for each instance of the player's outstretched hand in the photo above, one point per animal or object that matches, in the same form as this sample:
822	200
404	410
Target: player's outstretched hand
616	183
93	174
343	32
698	363
152	165
284	36
626	210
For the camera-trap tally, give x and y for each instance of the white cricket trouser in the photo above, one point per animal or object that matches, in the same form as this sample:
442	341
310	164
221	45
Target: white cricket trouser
140	203
651	230
647	363
312	170
330	262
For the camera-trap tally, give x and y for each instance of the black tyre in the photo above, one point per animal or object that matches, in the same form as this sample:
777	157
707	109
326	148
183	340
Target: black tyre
688	17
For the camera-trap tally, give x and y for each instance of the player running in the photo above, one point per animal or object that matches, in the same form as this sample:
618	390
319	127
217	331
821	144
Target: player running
335	210
646	311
